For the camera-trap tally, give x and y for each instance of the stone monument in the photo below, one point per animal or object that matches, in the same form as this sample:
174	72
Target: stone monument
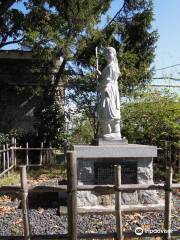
96	162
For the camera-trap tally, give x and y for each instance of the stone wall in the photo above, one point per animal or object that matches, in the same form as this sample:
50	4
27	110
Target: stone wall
133	171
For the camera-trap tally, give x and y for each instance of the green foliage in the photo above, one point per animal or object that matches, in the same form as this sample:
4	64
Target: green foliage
4	138
177	177
151	118
49	122
23	136
12	27
159	173
131	34
54	25
82	132
48	26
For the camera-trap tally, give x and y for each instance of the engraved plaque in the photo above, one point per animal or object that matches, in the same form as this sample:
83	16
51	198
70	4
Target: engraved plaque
104	172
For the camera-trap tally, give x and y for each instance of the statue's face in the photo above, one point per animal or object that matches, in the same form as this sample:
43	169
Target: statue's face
109	55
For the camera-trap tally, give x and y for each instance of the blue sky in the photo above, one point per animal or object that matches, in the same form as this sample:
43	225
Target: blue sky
167	20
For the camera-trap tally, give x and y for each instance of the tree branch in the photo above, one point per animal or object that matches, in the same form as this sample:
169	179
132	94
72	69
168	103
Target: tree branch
5	5
11	42
115	16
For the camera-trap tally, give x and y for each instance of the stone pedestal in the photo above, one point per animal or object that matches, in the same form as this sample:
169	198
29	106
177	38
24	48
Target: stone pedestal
96	166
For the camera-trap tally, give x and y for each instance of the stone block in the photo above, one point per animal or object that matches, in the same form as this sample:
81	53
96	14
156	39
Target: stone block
96	166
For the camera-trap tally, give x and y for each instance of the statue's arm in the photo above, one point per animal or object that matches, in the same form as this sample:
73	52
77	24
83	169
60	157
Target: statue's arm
98	72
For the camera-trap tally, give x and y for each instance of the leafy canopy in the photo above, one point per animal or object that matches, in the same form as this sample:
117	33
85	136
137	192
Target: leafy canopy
51	28
151	118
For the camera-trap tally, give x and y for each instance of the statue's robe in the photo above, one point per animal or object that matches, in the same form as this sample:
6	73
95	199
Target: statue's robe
108	94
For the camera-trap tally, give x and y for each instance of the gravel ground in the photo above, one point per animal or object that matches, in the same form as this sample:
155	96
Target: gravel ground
46	221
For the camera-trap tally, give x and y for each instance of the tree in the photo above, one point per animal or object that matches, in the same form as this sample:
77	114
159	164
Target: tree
131	34
5	5
51	29
12	24
70	28
151	118
82	131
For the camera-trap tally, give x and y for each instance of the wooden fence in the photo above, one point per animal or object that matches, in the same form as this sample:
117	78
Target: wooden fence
72	189
9	159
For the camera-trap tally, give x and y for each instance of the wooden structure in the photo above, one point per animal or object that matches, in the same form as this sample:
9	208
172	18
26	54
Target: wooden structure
9	160
20	76
16	108
72	189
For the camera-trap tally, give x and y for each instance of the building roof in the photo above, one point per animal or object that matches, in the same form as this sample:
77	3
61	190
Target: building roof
15	54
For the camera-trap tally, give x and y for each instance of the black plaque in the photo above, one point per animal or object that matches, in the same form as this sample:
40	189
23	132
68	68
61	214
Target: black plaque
104	172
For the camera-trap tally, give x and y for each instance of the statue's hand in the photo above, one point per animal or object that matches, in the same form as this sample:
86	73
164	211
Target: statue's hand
98	72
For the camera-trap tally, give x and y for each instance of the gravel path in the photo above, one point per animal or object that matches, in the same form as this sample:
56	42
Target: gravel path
47	221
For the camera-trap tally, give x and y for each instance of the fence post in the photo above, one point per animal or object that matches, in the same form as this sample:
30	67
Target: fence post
72	192
4	158
50	153
166	154
7	154
27	154
178	155
168	197
118	213
24	188
12	152
15	158
41	154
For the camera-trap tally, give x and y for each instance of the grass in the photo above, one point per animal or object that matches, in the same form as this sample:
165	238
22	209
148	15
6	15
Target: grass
43	173
49	172
12	179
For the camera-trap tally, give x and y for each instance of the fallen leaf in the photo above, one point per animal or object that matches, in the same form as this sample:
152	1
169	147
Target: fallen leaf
18	221
40	210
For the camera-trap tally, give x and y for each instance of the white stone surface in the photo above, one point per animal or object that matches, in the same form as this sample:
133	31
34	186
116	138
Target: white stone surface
133	151
108	101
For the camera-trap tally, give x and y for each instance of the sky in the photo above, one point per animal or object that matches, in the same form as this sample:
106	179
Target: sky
167	22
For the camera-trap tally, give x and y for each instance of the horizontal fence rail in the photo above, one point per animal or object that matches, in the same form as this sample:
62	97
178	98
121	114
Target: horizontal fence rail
96	188
71	189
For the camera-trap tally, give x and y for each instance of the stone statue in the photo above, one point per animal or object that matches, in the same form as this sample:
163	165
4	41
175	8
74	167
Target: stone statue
108	105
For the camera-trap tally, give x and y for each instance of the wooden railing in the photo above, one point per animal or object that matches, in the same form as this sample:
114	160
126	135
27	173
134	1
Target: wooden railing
7	160
9	157
72	189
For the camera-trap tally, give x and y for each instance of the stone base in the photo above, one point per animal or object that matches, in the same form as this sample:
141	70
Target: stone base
91	199
102	141
96	167
111	209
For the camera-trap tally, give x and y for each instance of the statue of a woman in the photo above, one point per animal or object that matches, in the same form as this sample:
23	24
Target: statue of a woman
108	106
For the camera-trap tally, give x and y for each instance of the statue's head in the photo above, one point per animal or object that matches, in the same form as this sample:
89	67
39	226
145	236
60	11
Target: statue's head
110	50
110	53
